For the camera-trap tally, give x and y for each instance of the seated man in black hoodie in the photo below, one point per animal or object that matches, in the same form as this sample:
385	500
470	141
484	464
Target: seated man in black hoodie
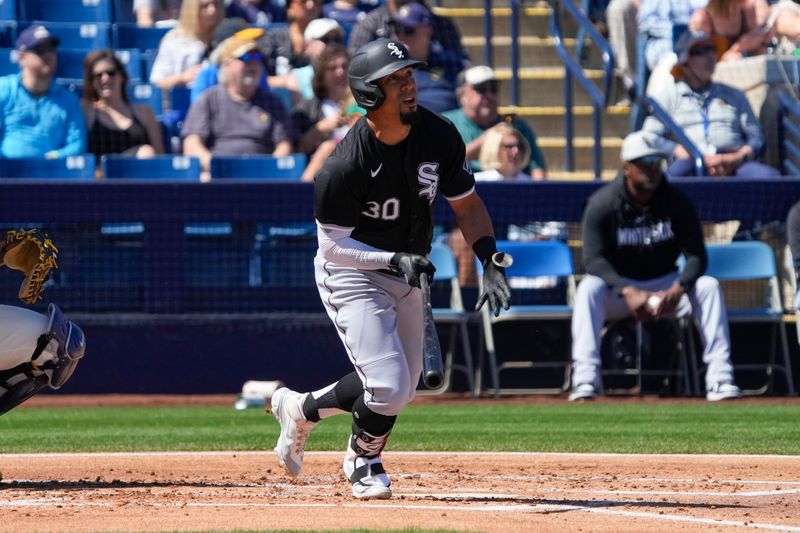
634	229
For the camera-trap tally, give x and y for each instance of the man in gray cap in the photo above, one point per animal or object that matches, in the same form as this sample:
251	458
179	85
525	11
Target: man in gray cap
634	229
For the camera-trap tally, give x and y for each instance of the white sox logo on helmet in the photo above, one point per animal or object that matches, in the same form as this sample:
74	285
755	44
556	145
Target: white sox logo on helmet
429	179
395	51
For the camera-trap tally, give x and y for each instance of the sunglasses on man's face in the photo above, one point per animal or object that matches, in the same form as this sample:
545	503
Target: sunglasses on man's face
43	49
251	56
490	86
702	50
649	161
404	31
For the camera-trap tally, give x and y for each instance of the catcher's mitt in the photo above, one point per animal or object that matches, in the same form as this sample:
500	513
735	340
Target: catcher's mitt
32	252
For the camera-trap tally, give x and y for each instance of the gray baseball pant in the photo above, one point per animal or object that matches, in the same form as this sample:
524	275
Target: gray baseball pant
596	303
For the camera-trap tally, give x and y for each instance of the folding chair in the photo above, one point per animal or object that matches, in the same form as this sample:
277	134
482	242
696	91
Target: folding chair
533	260
453	315
76	167
749	261
288	167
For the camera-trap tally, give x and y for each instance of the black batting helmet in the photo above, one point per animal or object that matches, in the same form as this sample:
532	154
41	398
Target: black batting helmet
372	62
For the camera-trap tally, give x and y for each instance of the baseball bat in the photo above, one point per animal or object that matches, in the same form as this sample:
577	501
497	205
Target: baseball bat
432	368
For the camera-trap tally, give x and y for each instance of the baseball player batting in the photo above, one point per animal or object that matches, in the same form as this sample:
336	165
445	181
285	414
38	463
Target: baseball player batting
36	350
373	208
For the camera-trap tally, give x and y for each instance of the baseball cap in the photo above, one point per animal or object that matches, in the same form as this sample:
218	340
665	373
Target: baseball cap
476	75
235	47
691	39
34	36
641	144
412	15
227	29
319	28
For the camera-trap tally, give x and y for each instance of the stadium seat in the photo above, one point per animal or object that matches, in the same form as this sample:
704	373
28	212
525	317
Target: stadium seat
8	33
453	314
79	167
164	167
67	10
129	35
123	11
144	93
8	61
8	10
132	59
70	63
740	261
289	167
85	35
538	266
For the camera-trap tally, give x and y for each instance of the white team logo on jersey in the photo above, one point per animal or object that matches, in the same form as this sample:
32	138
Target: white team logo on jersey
467	166
429	179
395	51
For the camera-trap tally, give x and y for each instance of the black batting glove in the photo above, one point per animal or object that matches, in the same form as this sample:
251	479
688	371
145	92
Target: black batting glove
411	266
495	288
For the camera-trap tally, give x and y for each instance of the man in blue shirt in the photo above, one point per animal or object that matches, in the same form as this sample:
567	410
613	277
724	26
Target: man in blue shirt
39	118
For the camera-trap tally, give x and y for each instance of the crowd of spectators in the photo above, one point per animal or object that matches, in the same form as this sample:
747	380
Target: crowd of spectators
260	77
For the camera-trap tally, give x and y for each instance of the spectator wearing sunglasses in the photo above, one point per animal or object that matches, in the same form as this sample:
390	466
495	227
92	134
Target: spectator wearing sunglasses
633	231
115	126
478	98
412	25
319	35
40	118
717	118
236	117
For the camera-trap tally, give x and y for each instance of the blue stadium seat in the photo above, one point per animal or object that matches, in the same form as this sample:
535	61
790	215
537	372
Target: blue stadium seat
8	33
132	59
67	10
86	35
179	100
165	167
123	11
290	167
80	167
8	10
129	35
70	63
144	93
8	61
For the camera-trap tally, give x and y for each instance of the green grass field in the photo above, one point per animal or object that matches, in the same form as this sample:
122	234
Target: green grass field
698	427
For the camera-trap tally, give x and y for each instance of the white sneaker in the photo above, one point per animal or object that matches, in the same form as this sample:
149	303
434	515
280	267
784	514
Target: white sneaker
584	391
367	475
723	391
287	408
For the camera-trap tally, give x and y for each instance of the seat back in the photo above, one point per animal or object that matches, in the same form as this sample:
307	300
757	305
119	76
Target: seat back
740	260
80	167
8	10
85	35
9	61
447	271
145	93
289	167
8	32
67	10
129	35
165	167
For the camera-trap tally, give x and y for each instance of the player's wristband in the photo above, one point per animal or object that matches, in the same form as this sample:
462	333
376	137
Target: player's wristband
485	248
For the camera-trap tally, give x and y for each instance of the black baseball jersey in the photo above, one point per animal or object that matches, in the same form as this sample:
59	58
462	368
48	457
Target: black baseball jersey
386	192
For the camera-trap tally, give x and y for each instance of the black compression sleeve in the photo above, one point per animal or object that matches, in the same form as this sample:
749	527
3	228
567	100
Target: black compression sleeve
485	248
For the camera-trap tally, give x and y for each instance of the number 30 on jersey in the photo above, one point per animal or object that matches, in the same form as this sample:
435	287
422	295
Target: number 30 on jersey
388	210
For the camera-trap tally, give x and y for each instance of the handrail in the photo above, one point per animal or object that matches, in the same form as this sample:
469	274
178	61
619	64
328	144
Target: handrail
652	107
573	68
789	108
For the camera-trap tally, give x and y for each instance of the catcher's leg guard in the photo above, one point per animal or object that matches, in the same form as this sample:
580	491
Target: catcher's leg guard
71	346
19	384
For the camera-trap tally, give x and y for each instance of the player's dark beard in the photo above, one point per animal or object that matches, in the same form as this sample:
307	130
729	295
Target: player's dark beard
411	117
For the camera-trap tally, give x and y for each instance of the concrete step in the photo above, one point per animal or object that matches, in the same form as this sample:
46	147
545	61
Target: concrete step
543	86
533	51
549	121
533	22
554	152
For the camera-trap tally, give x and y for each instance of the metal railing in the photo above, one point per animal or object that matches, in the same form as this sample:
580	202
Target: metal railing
651	107
573	69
